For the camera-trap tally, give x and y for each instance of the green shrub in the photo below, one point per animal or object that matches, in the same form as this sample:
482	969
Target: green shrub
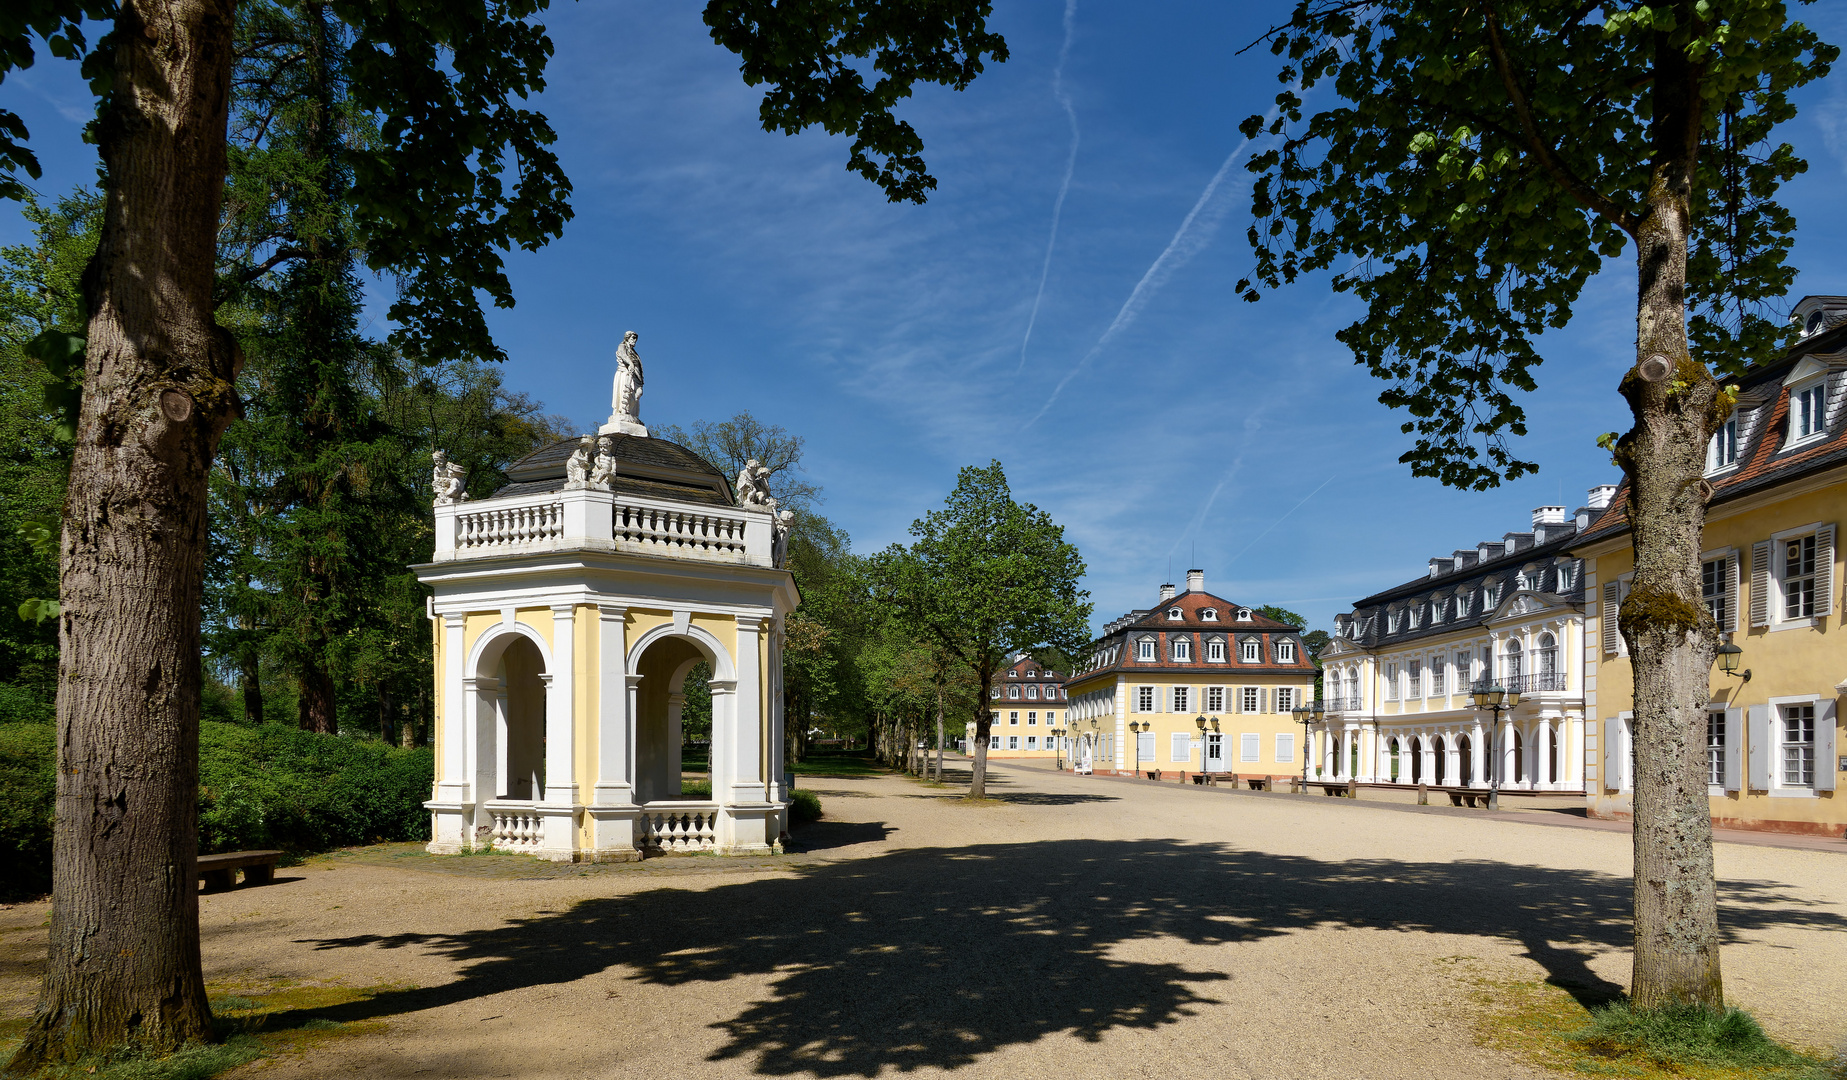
259	787
806	805
1690	1035
29	779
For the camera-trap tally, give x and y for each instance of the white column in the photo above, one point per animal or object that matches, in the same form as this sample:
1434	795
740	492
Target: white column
615	733
744	749
561	711
1480	753
778	737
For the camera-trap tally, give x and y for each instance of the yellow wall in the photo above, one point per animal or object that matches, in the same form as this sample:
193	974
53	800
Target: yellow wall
1783	662
1232	723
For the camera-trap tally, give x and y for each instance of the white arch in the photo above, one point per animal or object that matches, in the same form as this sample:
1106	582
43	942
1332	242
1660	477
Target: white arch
723	670
493	639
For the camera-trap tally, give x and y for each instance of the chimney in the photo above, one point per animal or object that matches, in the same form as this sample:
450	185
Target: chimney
1167	591
1195	581
1548	515
1601	495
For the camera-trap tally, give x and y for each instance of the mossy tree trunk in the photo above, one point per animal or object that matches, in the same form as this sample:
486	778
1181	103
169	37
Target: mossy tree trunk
158	393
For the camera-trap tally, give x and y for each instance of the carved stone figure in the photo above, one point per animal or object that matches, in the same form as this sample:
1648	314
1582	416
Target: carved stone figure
447	479
779	538
625	391
577	467
753	480
603	469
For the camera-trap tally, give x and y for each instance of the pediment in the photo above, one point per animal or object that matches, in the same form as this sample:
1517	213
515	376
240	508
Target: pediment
1337	647
1527	602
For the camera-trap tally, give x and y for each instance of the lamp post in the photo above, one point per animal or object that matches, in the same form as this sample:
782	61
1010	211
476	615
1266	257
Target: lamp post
1094	732
1497	700
1058	749
1135	731
1307	714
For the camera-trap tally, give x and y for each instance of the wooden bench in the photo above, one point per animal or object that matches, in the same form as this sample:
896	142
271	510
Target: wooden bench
1153	774
1333	787
220	871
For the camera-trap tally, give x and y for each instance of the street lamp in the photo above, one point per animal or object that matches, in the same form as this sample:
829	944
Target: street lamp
1497	700
1135	730
1058	749
1728	662
1307	714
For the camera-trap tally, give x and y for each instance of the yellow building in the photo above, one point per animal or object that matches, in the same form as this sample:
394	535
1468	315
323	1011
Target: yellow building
1771	578
1399	671
1028	704
569	608
1191	657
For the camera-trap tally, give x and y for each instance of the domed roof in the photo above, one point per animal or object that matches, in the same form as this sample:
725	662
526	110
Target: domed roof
645	466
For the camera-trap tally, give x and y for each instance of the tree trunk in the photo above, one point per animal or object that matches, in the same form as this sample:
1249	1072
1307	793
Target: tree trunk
1672	638
250	675
939	731
317	702
978	772
158	392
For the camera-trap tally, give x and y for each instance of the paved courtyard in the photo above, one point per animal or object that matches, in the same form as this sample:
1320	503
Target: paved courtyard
1073	927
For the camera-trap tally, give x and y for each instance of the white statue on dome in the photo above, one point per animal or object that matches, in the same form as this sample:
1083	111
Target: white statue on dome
625	391
577	466
447	479
603	466
753	487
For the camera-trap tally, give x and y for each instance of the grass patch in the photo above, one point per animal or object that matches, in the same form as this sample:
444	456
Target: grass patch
1546	1026
838	764
701	789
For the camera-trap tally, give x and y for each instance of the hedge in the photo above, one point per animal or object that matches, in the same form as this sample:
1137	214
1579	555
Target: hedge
259	787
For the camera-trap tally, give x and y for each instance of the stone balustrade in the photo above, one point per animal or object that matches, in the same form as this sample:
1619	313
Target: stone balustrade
602	521
676	827
517	827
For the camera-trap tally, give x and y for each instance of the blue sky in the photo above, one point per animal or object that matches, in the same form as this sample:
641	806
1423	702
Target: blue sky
1192	429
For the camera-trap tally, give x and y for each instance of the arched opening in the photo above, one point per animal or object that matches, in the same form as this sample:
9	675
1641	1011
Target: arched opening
1441	758
1514	666
663	668
1520	771
1393	764
1546	663
1353	755
1417	761
1551	755
519	744
1465	763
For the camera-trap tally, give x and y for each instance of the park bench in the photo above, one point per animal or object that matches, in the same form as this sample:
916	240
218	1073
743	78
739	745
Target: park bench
220	871
1335	787
1153	774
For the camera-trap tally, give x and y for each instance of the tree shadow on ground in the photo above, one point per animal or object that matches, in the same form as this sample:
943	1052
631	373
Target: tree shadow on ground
823	834
936	957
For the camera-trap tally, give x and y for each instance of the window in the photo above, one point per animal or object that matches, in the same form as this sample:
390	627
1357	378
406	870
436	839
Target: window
1244	614
1144	699
1013	674
1285	652
1032	693
1722	451
994	741
1490	596
1013	718
1013	742
1515	666
1391	682
1032	719
1715	748
1253	699
1807	407
1051	718
1545	662
1391	622
1437	606
1144	649
1180	699
1215	699
1798	745
1462	605
1215	651
1208	614
1032	742
1183	650
1285	700
1463	674
994	694
1412	614
1250	746
1414	677
1174	614
1013	692
1248	651
1285	747
1566	571
1436	676
1799	578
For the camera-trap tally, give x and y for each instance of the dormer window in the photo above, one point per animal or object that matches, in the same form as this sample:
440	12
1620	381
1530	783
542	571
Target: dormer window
1209	614
1437	604
1183	650
1144	649
1215	651
1013	692
1244	614
1013	674
1174	614
1249	652
1031	674
1391	622
1285	652
1722	451
1412	614
1808	411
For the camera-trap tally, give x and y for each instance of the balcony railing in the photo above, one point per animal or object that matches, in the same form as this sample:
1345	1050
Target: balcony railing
1533	683
600	520
1343	703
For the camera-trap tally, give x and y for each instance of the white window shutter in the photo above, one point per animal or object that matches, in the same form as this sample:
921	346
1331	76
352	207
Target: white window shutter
1825	771
1760	583
1285	747
1177	749
1758	729
1612	747
1731	597
1734	749
1264	700
1612	601
1824	578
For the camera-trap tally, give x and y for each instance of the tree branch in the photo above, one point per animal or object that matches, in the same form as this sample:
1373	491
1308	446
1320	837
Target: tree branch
1570	181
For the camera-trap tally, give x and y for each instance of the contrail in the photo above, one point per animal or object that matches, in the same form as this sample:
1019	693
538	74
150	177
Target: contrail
1280	520
1178	250
1058	204
1252	424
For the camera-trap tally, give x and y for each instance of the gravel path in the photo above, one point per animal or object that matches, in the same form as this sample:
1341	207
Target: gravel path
1071	927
